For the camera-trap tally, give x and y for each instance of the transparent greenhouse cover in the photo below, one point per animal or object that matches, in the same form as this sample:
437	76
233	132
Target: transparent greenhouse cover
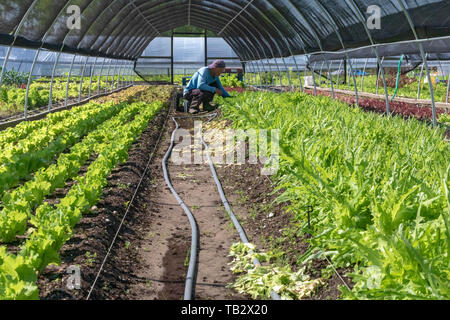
255	29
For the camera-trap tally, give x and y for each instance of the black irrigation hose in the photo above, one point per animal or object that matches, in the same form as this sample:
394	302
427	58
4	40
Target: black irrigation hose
227	206
193	262
191	278
129	205
189	290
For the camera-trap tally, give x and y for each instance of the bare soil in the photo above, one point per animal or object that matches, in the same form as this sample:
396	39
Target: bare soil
149	258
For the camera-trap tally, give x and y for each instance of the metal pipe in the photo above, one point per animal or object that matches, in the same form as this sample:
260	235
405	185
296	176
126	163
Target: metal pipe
364	72
422	53
254	79
50	99
288	74
448	88
100	77
380	66
339	73
261	69
114	75
119	76
92	74
82	78
347	75
107	75
314	79
320	74
68	80
28	84
420	81
16	34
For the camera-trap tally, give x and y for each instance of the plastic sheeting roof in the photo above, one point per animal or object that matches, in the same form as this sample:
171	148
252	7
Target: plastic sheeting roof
255	29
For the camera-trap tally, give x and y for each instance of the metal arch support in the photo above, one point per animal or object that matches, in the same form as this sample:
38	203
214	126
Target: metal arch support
316	37
243	17
287	45
334	25
119	76
320	73
151	8
256	59
258	31
375	50
92	43
92	74
258	47
362	77
266	80
379	72
82	78
339	73
93	23
254	42
50	99
253	74
29	82
100	76
107	75
114	75
422	53
36	57
68	79
420	78
56	63
448	88
264	39
314	78
16	34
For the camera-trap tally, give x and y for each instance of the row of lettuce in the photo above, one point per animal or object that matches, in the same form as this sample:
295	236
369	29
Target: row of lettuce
378	186
12	98
45	155
410	89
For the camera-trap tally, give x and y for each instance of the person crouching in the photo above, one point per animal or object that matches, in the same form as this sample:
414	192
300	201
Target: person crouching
204	84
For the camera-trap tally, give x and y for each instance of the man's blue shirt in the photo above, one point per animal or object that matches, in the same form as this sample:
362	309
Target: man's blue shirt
202	80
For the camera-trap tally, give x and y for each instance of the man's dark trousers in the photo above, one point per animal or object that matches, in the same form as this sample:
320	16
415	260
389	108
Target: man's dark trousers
196	97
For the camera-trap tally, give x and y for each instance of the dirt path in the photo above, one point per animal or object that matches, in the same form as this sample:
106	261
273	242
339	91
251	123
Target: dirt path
165	249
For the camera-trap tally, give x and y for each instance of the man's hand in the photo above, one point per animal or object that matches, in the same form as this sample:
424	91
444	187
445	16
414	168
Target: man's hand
219	92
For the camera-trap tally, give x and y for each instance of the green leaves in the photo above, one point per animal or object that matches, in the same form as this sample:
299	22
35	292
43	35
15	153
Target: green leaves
52	225
371	179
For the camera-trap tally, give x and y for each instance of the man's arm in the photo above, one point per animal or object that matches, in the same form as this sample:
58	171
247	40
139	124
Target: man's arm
225	94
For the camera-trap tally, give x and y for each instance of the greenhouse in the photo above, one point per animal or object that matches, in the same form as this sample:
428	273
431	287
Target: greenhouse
224	150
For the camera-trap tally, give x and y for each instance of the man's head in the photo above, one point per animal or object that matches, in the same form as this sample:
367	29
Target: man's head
217	67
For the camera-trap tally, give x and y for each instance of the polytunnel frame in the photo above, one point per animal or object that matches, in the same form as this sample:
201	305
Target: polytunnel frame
257	46
38	51
269	46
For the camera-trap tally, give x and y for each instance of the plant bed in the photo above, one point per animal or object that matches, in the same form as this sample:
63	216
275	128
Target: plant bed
268	224
95	231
